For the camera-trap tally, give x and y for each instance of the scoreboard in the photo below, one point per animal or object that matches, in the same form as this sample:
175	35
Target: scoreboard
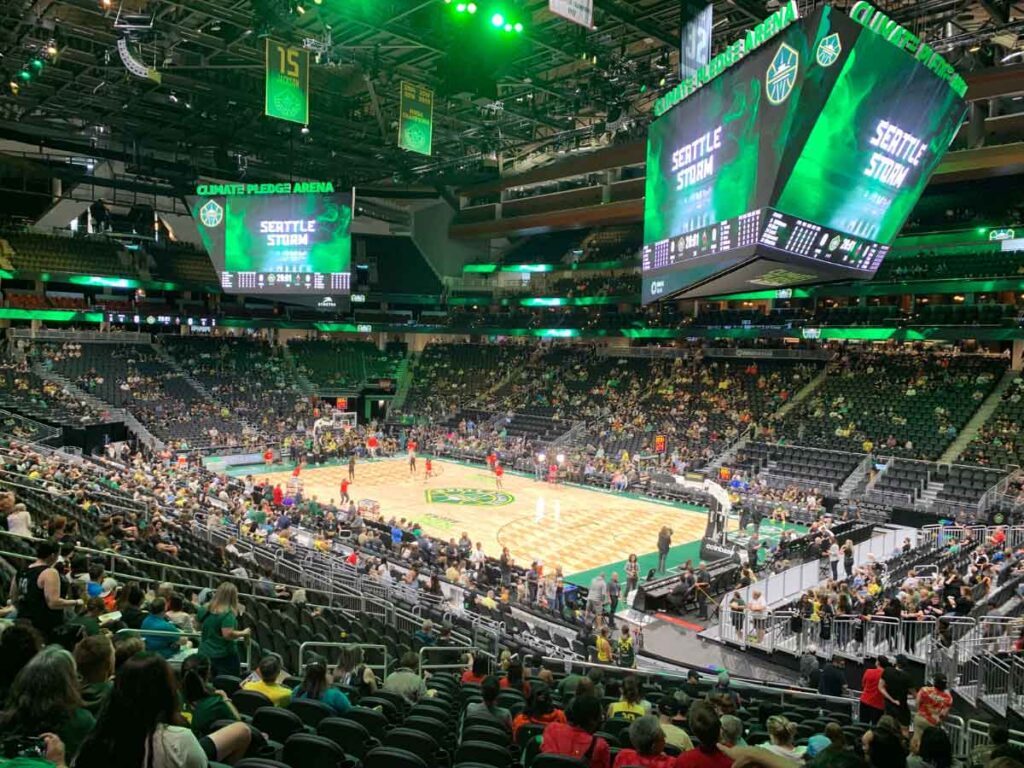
265	242
798	158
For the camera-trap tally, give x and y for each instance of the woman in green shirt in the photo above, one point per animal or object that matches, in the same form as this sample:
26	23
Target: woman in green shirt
218	625
45	699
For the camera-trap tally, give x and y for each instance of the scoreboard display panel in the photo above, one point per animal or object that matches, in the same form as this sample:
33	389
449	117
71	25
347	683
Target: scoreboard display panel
278	243
798	164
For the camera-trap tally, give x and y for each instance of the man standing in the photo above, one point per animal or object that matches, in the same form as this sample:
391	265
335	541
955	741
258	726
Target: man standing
345	482
701	586
664	545
833	678
894	687
753	548
614	591
352	468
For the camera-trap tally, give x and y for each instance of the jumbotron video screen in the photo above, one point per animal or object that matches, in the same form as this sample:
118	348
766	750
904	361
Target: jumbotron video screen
797	165
278	243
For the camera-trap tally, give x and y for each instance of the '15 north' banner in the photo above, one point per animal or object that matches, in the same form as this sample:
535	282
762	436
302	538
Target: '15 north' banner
416	119
287	84
579	11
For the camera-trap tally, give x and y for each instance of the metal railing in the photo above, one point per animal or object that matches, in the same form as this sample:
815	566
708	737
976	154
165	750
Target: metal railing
375	657
184	653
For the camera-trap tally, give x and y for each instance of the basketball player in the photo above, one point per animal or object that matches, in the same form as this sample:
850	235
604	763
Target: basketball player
352	467
410	448
344	490
499	472
428	469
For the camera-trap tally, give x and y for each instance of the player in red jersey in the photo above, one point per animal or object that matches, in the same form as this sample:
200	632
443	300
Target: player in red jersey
499	472
553	473
428	469
344	490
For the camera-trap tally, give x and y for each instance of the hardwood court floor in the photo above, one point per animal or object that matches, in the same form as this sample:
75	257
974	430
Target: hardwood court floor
573	528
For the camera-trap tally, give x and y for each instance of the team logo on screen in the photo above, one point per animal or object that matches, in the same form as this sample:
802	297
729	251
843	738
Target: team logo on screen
211	214
782	74
829	49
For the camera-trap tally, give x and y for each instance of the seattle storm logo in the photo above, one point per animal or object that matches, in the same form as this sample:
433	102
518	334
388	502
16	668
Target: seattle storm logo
211	214
782	74
829	49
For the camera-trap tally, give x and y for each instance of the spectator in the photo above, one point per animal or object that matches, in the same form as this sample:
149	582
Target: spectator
218	625
648	740
895	686
18	644
705	725
265	680
732	731
833	678
930	748
19	522
406	681
204	704
351	671
90	619
872	703
668	712
723	687
45	699
539	710
632	704
126	646
514	680
809	669
141	725
94	658
477	673
177	615
132	614
156	621
488	708
36	592
424	636
933	704
316	685
781	738
576	737
883	747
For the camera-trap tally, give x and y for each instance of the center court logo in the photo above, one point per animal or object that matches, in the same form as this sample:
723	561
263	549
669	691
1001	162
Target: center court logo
211	214
469	497
781	77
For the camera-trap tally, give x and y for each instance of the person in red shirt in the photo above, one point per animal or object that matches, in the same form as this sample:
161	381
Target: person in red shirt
553	473
477	673
278	495
344	490
499	472
933	704
297	471
539	710
371	445
648	749
353	558
576	738
705	725
872	703
268	457
428	469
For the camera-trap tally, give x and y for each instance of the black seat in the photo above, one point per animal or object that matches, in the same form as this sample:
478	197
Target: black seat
375	722
277	723
311	712
497	736
304	750
388	707
389	757
548	760
247	702
417	742
351	736
227	683
259	762
483	752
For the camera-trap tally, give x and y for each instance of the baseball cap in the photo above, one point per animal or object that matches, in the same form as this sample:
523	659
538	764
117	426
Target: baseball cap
817	744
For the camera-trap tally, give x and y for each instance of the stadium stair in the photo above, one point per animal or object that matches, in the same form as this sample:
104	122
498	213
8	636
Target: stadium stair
404	376
298	377
978	420
803	394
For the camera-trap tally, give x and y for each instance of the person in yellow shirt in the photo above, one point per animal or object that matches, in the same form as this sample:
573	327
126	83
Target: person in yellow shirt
631	705
264	680
604	647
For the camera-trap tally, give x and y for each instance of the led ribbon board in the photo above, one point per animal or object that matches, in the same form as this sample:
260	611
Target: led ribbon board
798	165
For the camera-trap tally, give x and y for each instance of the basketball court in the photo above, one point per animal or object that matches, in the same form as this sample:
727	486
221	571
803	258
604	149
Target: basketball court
574	528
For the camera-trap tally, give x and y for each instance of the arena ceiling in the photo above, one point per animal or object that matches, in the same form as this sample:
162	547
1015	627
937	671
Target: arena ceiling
558	88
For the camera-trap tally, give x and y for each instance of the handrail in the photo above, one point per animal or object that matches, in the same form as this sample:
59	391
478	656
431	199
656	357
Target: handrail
383	666
247	641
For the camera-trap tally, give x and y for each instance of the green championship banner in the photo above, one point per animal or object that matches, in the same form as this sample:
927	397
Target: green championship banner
287	96
416	119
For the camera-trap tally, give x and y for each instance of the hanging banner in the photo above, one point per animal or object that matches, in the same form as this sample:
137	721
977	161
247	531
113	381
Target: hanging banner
287	83
660	443
695	48
416	119
578	11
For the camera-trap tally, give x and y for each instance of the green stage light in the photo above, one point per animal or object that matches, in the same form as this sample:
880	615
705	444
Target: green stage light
25	75
471	7
37	63
497	19
508	27
461	7
519	26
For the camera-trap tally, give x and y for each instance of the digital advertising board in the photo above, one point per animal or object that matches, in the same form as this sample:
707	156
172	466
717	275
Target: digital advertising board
264	240
795	157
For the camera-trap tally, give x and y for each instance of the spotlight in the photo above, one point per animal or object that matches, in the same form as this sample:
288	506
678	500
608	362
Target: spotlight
661	83
541	457
461	7
36	63
508	27
497	20
300	10
471	7
51	48
305	129
519	26
560	458
317	2
173	97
